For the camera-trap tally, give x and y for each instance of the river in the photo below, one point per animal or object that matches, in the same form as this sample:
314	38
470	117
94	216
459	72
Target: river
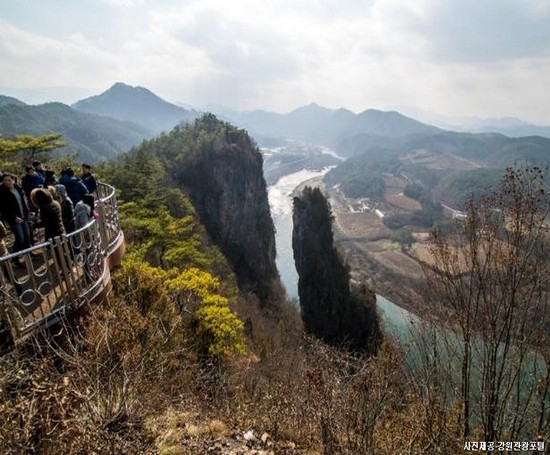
419	342
396	319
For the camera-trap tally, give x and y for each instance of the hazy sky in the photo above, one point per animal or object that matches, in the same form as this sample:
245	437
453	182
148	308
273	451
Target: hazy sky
488	58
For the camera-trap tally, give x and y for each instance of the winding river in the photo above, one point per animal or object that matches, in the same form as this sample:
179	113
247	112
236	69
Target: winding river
395	318
413	336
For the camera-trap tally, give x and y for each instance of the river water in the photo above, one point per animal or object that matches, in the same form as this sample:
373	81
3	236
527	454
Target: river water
396	319
415	337
280	202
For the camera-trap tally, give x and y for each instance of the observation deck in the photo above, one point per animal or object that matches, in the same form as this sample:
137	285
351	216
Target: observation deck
61	275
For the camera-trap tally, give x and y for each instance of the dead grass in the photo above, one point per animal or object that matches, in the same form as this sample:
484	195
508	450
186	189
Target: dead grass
402	202
400	263
360	226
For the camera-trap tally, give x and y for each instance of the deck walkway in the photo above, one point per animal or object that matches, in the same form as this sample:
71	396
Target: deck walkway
61	275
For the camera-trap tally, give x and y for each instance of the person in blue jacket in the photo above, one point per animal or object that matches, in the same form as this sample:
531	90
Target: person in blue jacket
30	181
75	188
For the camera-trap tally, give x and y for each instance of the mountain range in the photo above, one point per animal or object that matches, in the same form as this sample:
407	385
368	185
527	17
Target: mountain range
104	125
92	137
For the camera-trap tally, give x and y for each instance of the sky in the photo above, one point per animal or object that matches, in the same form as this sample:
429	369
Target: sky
483	58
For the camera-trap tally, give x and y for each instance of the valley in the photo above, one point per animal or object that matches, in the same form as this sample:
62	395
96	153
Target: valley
385	238
377	255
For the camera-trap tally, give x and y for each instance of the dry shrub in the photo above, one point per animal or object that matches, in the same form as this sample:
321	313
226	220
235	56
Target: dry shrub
90	391
323	398
45	409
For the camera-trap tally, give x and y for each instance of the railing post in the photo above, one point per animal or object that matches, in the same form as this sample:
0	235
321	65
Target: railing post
102	226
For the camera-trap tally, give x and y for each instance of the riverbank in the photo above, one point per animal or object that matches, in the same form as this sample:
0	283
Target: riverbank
378	256
366	244
364	268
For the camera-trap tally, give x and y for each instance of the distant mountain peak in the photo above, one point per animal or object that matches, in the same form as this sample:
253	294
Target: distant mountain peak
120	89
135	104
311	107
6	100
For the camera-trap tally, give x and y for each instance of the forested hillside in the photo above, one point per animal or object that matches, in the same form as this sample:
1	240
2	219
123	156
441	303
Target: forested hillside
450	166
91	137
221	169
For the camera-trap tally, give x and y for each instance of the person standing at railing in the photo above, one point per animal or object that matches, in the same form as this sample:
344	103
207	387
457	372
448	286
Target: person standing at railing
88	178
13	207
39	168
83	214
67	208
50	213
49	178
50	218
84	211
75	188
31	180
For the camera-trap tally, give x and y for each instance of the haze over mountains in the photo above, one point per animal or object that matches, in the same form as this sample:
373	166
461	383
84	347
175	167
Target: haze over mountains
104	125
137	105
509	126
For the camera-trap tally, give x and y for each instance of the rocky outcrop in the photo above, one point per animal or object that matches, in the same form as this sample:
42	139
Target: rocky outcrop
331	310
222	172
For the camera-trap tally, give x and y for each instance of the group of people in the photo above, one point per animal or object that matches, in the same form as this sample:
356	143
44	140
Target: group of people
60	207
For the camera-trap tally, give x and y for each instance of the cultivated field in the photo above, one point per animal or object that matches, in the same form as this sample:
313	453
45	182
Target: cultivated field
438	161
375	253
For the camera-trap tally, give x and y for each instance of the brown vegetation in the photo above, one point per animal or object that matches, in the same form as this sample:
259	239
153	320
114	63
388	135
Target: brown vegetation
130	383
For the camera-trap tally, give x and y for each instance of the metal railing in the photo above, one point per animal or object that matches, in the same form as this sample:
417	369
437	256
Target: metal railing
59	275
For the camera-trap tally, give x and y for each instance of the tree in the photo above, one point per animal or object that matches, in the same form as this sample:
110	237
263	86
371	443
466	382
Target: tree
30	147
491	274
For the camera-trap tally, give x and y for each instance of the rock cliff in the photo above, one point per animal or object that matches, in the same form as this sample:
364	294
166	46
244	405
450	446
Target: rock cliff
330	309
222	172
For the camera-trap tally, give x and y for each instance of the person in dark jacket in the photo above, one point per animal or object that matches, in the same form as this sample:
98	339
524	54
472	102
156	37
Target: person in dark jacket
50	213
49	178
15	211
75	188
67	208
39	168
31	180
88	178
